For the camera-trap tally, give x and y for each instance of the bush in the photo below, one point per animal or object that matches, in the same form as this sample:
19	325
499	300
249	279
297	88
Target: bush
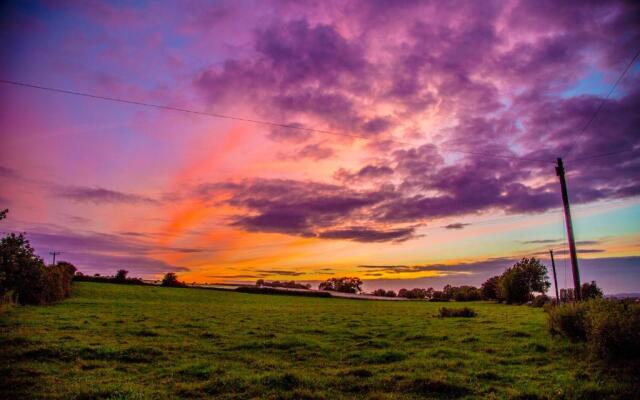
438	295
285	284
171	279
613	329
80	277
464	312
24	274
567	320
462	293
610	327
540	300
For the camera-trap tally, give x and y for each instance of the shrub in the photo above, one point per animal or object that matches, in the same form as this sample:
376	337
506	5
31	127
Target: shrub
568	320
438	295
121	275
171	279
462	293
610	327
540	300
613	329
415	293
24	274
285	284
464	312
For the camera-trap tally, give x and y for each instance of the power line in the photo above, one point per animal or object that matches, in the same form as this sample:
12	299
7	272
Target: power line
613	153
602	103
250	120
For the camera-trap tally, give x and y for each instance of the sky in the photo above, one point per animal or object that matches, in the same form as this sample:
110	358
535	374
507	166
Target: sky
419	151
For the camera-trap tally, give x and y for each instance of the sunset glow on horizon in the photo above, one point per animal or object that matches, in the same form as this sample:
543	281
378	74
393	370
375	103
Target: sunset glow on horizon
436	129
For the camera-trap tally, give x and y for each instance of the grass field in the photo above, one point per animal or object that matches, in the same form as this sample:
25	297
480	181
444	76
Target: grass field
125	342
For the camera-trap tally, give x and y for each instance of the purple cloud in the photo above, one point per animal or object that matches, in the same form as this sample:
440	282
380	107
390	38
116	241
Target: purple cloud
368	235
94	252
98	195
456	225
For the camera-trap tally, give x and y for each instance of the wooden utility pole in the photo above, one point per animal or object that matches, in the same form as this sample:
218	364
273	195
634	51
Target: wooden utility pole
54	254
567	218
555	279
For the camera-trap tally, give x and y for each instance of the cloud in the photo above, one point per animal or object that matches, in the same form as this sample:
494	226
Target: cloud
296	134
98	195
314	152
456	225
94	252
489	265
7	173
579	251
365	174
367	235
268	272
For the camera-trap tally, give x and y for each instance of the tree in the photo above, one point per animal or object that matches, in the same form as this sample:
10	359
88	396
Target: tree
518	282
489	288
384	293
415	293
121	275
171	279
344	285
3	214
25	278
591	291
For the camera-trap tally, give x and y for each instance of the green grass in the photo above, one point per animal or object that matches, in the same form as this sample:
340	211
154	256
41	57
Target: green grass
128	342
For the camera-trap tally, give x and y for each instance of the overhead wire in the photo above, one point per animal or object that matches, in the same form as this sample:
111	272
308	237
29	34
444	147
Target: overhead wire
603	102
251	120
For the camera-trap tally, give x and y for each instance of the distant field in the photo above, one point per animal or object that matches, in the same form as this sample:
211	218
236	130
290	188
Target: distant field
124	342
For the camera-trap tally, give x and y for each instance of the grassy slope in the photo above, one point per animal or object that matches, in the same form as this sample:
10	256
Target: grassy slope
116	341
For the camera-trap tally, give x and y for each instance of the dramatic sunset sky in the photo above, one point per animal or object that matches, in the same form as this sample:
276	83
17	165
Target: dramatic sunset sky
444	120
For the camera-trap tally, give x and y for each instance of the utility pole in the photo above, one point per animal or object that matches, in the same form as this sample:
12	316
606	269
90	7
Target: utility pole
567	218
555	280
54	254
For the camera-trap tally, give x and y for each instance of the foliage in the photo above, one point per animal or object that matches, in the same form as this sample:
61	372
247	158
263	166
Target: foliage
591	291
229	345
540	300
415	293
80	277
611	328
344	285
438	295
24	274
285	284
489	288
384	293
462	293
568	320
121	275
518	282
171	279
